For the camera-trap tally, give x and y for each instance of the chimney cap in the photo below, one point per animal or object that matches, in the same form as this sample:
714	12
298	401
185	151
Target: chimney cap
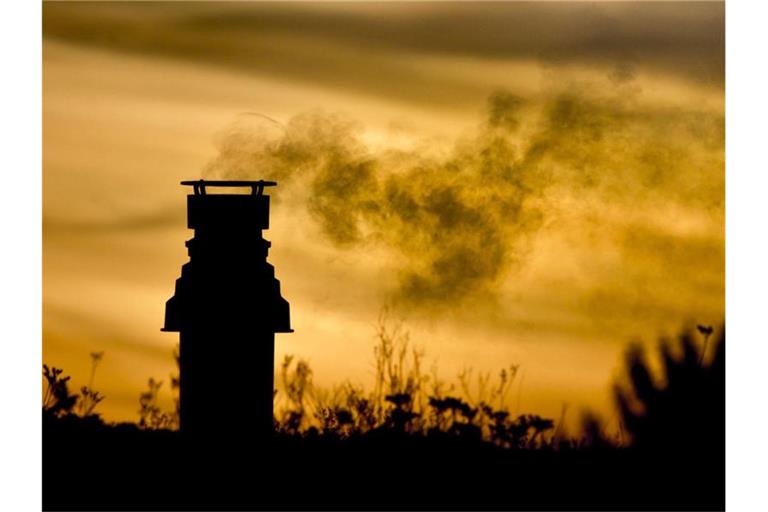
257	187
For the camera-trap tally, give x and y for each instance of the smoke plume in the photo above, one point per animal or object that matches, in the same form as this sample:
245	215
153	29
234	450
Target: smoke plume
459	223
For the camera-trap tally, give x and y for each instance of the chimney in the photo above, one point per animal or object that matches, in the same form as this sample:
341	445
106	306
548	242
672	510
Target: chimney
227	309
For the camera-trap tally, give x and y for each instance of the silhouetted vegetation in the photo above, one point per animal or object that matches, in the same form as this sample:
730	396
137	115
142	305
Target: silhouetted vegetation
150	414
412	441
57	400
406	400
685	407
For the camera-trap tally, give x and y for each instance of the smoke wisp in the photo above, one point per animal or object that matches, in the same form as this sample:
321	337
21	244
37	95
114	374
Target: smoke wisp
459	223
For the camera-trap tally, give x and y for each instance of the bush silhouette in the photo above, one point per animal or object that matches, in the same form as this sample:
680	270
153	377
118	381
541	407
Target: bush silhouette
685	409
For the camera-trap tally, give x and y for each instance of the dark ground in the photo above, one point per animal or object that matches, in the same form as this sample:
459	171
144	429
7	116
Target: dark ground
94	467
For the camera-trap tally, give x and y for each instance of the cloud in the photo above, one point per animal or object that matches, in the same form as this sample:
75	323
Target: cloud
162	217
376	48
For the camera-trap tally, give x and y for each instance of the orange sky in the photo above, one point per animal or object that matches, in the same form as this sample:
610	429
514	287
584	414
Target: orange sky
623	101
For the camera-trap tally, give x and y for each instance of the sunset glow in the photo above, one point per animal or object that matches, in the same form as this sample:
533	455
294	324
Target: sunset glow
516	187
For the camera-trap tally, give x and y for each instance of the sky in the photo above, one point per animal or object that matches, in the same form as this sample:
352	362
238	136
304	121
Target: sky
516	183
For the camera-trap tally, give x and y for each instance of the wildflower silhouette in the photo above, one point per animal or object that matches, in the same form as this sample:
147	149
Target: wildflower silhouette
90	398
151	415
706	331
57	400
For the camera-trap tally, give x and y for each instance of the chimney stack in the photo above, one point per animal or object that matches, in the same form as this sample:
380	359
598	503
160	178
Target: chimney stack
227	309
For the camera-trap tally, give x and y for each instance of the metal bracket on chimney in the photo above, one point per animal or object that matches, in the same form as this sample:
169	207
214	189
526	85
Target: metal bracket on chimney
257	187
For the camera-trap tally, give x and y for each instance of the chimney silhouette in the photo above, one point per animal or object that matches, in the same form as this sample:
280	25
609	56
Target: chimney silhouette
227	309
